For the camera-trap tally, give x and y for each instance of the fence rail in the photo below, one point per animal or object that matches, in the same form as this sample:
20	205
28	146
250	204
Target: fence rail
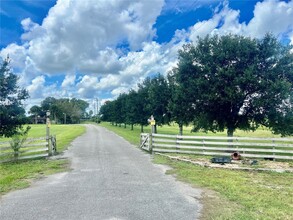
270	148
31	148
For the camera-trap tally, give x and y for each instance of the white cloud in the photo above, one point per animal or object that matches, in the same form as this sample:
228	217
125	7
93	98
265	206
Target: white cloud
271	16
16	53
119	90
154	58
84	37
32	30
68	81
87	86
104	61
36	88
78	34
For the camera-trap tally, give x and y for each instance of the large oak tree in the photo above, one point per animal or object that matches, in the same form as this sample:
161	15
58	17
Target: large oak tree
233	81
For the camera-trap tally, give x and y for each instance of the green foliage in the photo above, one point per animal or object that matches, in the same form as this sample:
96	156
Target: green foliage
69	110
18	139
17	175
12	114
235	82
158	96
257	195
242	195
137	106
223	82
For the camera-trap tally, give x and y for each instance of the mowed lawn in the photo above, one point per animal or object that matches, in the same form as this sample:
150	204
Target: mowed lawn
133	136
228	194
17	175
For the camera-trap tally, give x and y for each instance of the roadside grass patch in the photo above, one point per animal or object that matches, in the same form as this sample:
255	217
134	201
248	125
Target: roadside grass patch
20	174
228	194
133	136
253	195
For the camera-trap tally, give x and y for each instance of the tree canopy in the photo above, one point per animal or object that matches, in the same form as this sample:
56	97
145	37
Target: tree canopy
221	82
12	113
64	109
236	82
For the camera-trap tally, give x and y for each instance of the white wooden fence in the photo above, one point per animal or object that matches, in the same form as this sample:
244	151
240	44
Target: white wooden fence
32	148
268	148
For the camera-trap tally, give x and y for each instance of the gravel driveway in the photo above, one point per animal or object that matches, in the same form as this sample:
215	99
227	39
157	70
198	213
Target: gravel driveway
110	179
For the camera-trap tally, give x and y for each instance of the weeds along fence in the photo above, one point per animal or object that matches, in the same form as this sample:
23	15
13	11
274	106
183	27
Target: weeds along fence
30	149
266	148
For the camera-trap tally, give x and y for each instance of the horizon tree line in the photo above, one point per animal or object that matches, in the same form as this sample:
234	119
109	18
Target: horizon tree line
221	82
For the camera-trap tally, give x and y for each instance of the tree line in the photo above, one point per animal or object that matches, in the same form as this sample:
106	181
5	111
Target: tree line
221	82
63	110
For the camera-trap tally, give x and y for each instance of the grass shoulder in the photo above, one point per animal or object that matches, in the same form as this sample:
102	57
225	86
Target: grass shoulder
228	194
20	174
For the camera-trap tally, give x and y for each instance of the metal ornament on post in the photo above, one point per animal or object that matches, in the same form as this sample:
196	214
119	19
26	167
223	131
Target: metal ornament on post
152	122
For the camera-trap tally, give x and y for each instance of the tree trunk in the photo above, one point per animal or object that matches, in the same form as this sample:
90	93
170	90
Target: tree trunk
131	127
180	129
124	125
141	128
155	129
230	132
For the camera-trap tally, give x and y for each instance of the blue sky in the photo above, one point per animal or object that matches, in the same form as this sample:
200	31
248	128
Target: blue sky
92	49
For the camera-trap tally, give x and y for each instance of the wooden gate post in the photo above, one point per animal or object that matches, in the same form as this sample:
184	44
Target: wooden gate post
151	142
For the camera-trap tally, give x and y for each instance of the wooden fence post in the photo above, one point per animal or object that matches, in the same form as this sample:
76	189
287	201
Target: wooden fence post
151	142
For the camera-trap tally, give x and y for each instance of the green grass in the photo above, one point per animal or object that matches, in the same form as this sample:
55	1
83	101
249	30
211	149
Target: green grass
228	194
17	175
64	133
253	195
134	136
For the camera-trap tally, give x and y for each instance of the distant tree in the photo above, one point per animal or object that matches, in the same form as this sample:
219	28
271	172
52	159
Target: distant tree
158	97
91	113
237	82
64	109
133	110
107	112
179	103
36	110
12	113
119	109
143	103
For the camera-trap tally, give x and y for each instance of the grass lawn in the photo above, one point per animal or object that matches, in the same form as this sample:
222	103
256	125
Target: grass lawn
134	136
229	194
17	175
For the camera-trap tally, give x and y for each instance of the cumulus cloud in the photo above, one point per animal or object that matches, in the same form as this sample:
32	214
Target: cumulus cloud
87	86
78	34
68	81
110	46
270	16
32	30
36	87
16	53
